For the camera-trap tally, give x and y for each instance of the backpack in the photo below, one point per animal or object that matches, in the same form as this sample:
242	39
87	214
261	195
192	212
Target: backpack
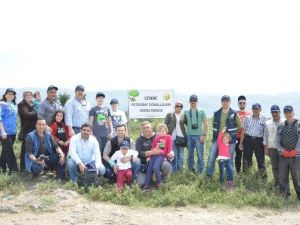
89	177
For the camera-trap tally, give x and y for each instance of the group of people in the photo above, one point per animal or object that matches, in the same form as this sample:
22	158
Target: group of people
78	135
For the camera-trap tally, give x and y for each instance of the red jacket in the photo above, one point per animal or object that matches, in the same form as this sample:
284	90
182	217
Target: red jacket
54	128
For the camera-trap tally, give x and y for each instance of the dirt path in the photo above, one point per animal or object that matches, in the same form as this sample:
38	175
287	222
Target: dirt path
67	207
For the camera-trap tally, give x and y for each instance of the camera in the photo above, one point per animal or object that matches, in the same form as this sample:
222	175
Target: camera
194	126
43	157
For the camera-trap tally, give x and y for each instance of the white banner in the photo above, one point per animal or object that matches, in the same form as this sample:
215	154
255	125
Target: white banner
150	104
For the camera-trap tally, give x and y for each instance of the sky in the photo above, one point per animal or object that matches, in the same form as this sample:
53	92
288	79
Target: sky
232	47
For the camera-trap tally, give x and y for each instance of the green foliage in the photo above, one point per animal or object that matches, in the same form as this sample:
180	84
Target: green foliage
63	98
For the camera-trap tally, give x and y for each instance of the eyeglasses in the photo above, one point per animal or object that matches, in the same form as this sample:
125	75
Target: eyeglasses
179	106
193	101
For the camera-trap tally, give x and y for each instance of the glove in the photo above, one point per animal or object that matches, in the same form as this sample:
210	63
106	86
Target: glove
292	153
285	153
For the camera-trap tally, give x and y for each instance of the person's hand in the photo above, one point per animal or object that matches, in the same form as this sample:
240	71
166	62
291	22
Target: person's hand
285	154
62	159
41	162
81	167
202	139
49	129
109	136
67	143
241	147
224	129
116	167
292	153
171	155
266	150
155	151
71	132
4	135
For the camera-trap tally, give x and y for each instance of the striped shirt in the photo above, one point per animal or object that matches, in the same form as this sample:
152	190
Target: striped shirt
47	110
254	126
77	112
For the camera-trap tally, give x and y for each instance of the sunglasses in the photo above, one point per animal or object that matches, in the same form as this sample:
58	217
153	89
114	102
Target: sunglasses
179	106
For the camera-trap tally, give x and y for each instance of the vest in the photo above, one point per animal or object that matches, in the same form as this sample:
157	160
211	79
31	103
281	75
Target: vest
115	145
230	124
35	145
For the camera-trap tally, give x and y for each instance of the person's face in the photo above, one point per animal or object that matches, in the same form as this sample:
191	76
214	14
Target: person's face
52	94
38	97
121	132
225	104
193	103
242	104
178	108
59	116
162	132
28	97
226	139
124	150
256	112
100	100
41	126
114	107
275	115
79	94
85	132
289	115
147	129
9	96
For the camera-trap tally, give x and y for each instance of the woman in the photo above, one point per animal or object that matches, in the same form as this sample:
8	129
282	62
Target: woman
28	117
8	130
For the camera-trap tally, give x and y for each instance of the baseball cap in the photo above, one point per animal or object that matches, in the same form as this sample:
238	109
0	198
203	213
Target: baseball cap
10	90
79	88
241	97
52	87
114	101
179	104
256	106
275	108
100	94
193	98
124	144
225	98
288	108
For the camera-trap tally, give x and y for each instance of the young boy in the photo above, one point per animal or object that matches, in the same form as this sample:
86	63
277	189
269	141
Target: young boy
122	167
224	158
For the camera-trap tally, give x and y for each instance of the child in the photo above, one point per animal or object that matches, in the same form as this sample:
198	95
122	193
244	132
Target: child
60	131
122	168
162	142
37	100
224	158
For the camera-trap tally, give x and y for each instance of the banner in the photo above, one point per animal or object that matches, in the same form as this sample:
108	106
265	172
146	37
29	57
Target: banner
150	104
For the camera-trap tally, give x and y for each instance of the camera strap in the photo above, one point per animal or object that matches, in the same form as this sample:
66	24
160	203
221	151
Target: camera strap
196	115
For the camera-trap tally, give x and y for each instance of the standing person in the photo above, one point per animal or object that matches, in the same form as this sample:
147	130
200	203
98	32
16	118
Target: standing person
43	152
60	131
175	124
28	117
77	111
8	130
242	113
197	127
270	141
37	100
100	118
288	145
50	105
143	146
122	168
224	117
118	117
163	143
252	140
224	157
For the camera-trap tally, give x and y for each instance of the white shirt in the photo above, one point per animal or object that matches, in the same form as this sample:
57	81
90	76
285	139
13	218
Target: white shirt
177	130
118	155
270	132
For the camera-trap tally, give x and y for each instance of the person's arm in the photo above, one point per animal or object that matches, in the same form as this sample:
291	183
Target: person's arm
278	139
110	127
265	140
68	117
24	112
107	151
205	123
167	120
41	111
72	151
97	154
3	133
241	146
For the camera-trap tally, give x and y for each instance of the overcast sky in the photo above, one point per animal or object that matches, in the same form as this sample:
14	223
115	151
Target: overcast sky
229	47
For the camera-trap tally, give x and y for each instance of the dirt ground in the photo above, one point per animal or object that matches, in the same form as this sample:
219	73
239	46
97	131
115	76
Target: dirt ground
67	207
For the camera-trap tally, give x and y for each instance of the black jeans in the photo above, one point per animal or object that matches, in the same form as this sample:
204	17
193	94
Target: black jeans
238	156
8	157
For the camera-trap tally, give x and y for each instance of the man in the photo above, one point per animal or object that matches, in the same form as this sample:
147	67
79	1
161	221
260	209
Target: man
114	145
288	145
42	151
270	141
252	140
84	149
100	118
50	105
118	117
242	113
224	117
197	126
143	146
77	111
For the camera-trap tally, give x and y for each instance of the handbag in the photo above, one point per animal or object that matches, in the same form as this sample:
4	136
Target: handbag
180	141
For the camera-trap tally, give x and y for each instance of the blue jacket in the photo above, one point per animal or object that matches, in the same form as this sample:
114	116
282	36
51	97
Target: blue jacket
36	144
9	118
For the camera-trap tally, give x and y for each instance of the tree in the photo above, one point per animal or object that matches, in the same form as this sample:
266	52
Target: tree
63	98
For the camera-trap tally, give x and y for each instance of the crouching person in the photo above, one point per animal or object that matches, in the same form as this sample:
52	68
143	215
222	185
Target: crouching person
84	150
122	167
42	151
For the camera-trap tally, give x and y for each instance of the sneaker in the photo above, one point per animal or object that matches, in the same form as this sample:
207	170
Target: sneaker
230	185
158	186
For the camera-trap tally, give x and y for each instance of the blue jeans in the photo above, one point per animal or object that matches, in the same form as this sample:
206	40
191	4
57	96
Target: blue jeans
194	142
73	169
225	164
154	167
177	162
213	153
135	166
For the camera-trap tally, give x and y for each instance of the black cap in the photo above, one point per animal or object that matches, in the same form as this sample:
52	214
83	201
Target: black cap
275	108
193	98
256	106
10	90
225	98
52	87
100	94
79	88
114	101
241	97
288	108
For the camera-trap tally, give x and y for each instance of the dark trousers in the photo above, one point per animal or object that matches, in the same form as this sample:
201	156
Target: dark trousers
238	157
225	164
7	155
22	156
102	142
154	167
274	157
253	144
287	165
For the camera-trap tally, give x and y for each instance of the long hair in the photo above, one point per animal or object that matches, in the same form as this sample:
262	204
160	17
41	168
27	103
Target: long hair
54	116
5	100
